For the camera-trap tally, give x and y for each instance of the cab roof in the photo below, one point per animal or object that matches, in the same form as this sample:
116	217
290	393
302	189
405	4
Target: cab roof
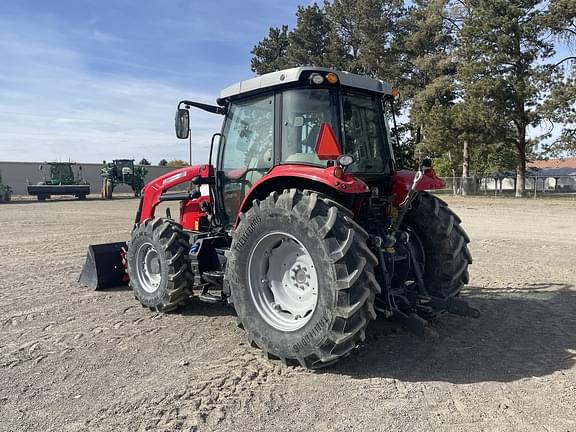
293	75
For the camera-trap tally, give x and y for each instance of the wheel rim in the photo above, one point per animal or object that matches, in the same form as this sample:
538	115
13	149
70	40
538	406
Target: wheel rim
283	281
148	269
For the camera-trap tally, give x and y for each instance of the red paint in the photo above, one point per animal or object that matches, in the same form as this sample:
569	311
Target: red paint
154	189
191	212
327	147
402	181
347	184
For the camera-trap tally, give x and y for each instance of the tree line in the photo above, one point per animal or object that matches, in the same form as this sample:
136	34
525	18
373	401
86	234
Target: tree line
174	163
486	85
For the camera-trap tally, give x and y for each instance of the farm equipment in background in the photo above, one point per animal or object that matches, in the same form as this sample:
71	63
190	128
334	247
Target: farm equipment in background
301	221
5	191
60	181
122	171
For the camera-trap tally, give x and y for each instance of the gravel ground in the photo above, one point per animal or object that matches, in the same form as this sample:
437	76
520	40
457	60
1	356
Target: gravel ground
77	360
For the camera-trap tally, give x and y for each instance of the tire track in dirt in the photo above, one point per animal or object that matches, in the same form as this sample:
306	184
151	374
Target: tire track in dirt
225	387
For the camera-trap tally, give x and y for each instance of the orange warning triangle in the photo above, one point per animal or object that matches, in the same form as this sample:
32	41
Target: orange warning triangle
327	147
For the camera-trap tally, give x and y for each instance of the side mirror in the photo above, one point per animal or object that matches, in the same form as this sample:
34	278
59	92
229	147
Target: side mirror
40	167
182	123
79	167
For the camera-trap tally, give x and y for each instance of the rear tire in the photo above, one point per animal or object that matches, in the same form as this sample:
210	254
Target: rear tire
444	242
338	259
158	265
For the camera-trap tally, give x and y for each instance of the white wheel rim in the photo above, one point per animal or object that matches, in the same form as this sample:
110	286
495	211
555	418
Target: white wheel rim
148	269
283	281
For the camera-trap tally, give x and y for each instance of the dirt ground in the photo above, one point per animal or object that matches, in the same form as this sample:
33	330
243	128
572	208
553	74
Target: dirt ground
77	360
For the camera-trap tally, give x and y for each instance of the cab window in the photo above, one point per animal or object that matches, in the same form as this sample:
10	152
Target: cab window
247	150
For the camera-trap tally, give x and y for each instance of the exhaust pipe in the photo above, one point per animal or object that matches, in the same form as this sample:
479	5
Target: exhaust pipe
104	266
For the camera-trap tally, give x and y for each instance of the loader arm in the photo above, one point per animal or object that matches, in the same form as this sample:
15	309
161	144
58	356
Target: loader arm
153	191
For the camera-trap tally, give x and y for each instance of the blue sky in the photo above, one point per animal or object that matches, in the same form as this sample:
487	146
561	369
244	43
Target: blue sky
89	80
99	79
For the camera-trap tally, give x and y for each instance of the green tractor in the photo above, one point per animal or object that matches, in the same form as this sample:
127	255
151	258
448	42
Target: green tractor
60	180
122	171
5	191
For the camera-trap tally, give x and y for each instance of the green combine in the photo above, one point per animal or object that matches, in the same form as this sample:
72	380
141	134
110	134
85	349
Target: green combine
60	181
5	191
122	171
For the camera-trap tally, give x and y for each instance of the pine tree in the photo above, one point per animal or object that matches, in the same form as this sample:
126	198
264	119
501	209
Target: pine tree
561	104
426	43
505	47
366	29
271	53
314	41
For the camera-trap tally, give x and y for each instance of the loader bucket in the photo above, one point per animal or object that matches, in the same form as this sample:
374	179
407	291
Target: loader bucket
104	267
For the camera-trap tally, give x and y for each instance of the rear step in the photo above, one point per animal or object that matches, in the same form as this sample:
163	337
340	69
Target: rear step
215	280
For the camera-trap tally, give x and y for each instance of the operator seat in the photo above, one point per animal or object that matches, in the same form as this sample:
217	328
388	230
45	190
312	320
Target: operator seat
308	158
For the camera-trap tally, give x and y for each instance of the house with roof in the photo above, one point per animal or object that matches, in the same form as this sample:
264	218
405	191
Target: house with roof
553	174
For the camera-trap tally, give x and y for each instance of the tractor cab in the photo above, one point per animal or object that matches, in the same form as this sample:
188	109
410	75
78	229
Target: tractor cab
302	119
60	173
124	167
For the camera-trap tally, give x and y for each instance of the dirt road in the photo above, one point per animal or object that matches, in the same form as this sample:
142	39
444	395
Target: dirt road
76	360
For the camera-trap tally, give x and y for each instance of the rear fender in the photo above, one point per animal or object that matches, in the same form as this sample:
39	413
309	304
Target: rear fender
318	179
402	181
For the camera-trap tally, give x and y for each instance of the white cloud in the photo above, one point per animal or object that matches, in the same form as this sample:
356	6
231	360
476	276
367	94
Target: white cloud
103	37
52	106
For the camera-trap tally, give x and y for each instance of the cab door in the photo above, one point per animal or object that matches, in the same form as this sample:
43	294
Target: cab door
246	150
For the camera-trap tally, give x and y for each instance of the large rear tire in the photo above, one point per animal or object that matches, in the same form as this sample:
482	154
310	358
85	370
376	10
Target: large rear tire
444	242
301	278
158	265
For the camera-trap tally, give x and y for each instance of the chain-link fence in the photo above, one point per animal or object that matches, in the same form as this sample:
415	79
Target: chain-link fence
500	186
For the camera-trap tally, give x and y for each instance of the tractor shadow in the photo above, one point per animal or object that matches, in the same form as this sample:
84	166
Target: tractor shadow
198	308
522	333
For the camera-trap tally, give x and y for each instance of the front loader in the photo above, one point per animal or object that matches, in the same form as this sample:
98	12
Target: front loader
300	220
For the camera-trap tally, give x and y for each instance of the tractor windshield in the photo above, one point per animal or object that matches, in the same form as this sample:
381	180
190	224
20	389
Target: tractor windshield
61	173
363	133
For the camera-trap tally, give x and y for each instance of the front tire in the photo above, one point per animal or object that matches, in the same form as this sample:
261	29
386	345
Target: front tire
158	265
301	278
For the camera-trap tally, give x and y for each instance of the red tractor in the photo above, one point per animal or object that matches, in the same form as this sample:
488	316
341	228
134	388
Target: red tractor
299	220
